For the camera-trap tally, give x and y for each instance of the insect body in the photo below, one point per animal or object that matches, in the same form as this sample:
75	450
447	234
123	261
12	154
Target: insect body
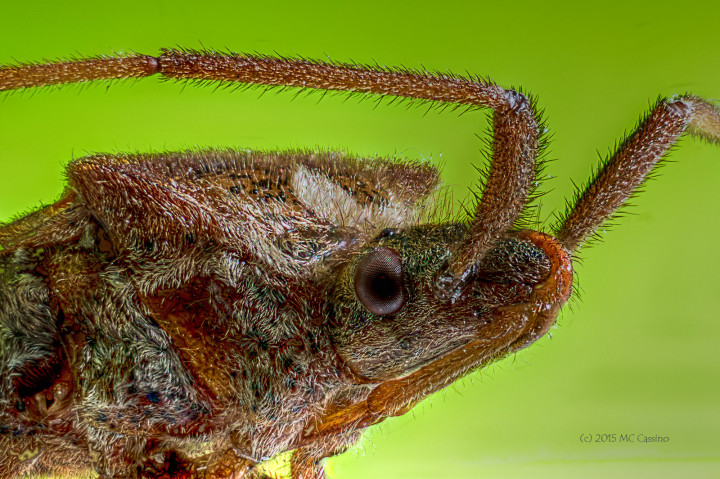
192	314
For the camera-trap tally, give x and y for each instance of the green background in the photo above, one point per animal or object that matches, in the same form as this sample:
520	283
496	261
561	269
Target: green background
637	354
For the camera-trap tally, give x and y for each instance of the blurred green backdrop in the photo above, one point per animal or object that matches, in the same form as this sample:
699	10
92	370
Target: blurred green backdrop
637	354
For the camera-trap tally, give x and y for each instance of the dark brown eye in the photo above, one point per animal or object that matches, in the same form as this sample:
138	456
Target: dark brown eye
379	282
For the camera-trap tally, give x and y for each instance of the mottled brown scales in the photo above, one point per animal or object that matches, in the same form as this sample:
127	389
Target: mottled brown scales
193	314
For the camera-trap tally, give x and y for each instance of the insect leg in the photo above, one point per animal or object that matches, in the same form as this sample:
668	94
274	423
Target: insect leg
628	167
308	462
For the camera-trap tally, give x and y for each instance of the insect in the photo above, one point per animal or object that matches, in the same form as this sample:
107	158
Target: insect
195	313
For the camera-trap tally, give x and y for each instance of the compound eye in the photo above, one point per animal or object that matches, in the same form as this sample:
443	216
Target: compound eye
379	282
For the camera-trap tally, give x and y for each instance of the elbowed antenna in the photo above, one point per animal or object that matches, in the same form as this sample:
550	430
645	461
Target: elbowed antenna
81	70
512	170
634	159
515	125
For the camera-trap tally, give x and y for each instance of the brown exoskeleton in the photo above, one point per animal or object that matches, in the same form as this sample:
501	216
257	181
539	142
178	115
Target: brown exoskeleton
192	314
